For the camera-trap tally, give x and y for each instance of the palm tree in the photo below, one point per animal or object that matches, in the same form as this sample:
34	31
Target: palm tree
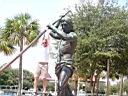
21	30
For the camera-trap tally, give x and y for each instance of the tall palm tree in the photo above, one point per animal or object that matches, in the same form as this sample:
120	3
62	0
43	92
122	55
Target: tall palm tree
21	30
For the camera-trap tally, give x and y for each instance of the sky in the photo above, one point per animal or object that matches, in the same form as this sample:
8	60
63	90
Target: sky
46	12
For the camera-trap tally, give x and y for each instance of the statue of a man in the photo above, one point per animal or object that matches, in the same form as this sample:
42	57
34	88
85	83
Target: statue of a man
64	67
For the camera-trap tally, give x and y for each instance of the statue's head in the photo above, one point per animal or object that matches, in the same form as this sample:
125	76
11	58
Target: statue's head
67	26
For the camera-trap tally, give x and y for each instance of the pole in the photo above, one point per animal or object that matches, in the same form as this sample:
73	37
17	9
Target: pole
78	87
56	87
8	64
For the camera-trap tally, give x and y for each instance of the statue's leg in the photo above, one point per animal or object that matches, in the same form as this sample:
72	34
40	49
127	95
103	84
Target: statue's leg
64	75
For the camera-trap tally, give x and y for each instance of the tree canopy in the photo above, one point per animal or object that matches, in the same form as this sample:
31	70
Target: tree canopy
102	35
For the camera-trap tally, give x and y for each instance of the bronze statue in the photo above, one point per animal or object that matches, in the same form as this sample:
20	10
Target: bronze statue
64	67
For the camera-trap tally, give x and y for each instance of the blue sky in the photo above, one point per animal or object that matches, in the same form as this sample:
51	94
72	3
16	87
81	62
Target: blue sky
45	11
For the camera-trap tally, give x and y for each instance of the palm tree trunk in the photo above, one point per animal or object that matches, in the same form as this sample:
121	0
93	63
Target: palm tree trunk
20	71
121	85
108	69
